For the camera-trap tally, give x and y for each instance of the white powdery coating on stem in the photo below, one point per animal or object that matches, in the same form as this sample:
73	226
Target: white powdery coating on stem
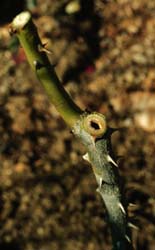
21	20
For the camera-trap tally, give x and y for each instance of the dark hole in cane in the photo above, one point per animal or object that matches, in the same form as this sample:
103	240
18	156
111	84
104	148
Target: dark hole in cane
94	125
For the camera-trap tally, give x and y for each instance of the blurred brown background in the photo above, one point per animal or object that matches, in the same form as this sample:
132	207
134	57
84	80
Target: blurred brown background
104	53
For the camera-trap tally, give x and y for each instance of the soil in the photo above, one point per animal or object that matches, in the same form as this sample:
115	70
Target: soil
104	54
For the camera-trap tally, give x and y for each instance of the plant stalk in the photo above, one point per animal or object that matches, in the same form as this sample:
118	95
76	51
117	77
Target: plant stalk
29	39
90	128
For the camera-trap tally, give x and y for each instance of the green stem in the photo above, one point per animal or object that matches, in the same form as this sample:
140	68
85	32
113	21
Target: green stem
26	31
90	128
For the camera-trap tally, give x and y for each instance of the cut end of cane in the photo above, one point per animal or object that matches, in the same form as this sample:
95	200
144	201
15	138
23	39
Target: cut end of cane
21	20
95	124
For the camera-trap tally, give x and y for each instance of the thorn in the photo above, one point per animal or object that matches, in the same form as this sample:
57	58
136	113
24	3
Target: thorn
122	208
113	130
127	238
86	157
42	48
132	226
109	159
37	64
100	182
12	31
132	205
97	190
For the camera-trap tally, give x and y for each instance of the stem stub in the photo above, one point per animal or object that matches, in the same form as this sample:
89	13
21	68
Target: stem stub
21	20
95	124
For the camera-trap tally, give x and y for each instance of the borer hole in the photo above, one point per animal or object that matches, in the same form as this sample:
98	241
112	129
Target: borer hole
94	125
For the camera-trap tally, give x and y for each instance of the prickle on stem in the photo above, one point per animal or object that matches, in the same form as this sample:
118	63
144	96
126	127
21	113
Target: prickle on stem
109	159
122	208
131	225
86	157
